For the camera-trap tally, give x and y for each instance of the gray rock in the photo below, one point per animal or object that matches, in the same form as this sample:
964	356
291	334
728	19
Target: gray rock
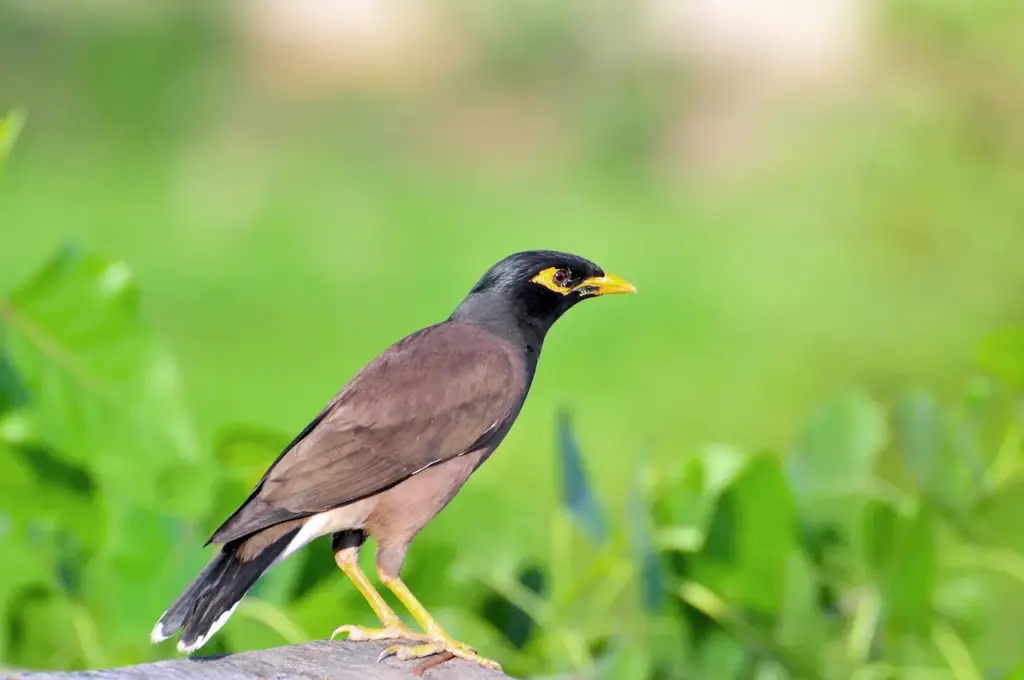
320	660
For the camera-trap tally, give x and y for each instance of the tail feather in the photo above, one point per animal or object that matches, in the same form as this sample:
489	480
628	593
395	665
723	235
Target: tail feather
176	615
213	595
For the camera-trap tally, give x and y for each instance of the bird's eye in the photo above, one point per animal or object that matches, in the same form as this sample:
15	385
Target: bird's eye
561	277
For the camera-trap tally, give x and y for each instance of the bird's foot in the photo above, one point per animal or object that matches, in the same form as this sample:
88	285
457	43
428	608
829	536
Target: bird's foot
393	632
439	645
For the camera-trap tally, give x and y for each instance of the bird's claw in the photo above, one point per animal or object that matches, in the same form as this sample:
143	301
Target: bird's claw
438	646
394	632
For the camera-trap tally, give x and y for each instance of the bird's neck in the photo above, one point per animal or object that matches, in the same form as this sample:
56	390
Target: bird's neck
503	317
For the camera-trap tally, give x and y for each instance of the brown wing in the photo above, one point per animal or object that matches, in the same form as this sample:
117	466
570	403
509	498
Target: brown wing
439	393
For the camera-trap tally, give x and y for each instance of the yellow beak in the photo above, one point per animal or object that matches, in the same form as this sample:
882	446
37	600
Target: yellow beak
609	284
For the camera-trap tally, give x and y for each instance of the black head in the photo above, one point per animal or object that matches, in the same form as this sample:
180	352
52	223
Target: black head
532	289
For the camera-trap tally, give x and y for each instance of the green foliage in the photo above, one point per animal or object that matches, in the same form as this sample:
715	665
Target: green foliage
101	387
830	565
102	445
837	453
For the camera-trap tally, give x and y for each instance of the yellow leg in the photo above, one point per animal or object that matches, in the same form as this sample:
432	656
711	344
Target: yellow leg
392	627
440	641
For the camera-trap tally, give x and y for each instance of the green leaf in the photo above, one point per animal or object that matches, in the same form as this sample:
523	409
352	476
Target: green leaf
771	670
766	524
1001	355
722	465
832	471
45	633
720	656
103	392
801	625
626	661
965	601
12	392
837	452
28	574
650	576
683	508
39	491
577	493
686	502
909	590
933	459
17	475
879	537
753	533
25	563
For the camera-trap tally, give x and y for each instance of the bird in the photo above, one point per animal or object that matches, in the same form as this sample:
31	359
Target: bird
391	450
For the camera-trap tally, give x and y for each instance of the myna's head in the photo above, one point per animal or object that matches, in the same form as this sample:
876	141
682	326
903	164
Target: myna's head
536	287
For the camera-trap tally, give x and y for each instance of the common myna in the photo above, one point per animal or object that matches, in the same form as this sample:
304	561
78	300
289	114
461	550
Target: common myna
392	449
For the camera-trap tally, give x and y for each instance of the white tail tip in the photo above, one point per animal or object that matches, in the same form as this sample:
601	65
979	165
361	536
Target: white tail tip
201	640
158	634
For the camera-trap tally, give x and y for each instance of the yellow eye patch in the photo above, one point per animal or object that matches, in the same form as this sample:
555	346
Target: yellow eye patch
559	281
547	279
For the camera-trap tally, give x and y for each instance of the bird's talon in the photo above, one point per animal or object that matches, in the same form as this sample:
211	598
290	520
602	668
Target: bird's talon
459	649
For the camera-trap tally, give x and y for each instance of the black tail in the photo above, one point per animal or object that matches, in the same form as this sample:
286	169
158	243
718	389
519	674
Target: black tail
212	596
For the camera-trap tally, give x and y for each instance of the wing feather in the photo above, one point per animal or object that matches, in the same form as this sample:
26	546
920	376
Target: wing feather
439	393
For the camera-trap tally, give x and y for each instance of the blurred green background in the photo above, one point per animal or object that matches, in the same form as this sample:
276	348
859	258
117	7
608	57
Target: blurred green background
814	199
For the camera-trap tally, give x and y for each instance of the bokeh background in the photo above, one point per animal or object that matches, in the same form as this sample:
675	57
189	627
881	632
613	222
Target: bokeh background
812	197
